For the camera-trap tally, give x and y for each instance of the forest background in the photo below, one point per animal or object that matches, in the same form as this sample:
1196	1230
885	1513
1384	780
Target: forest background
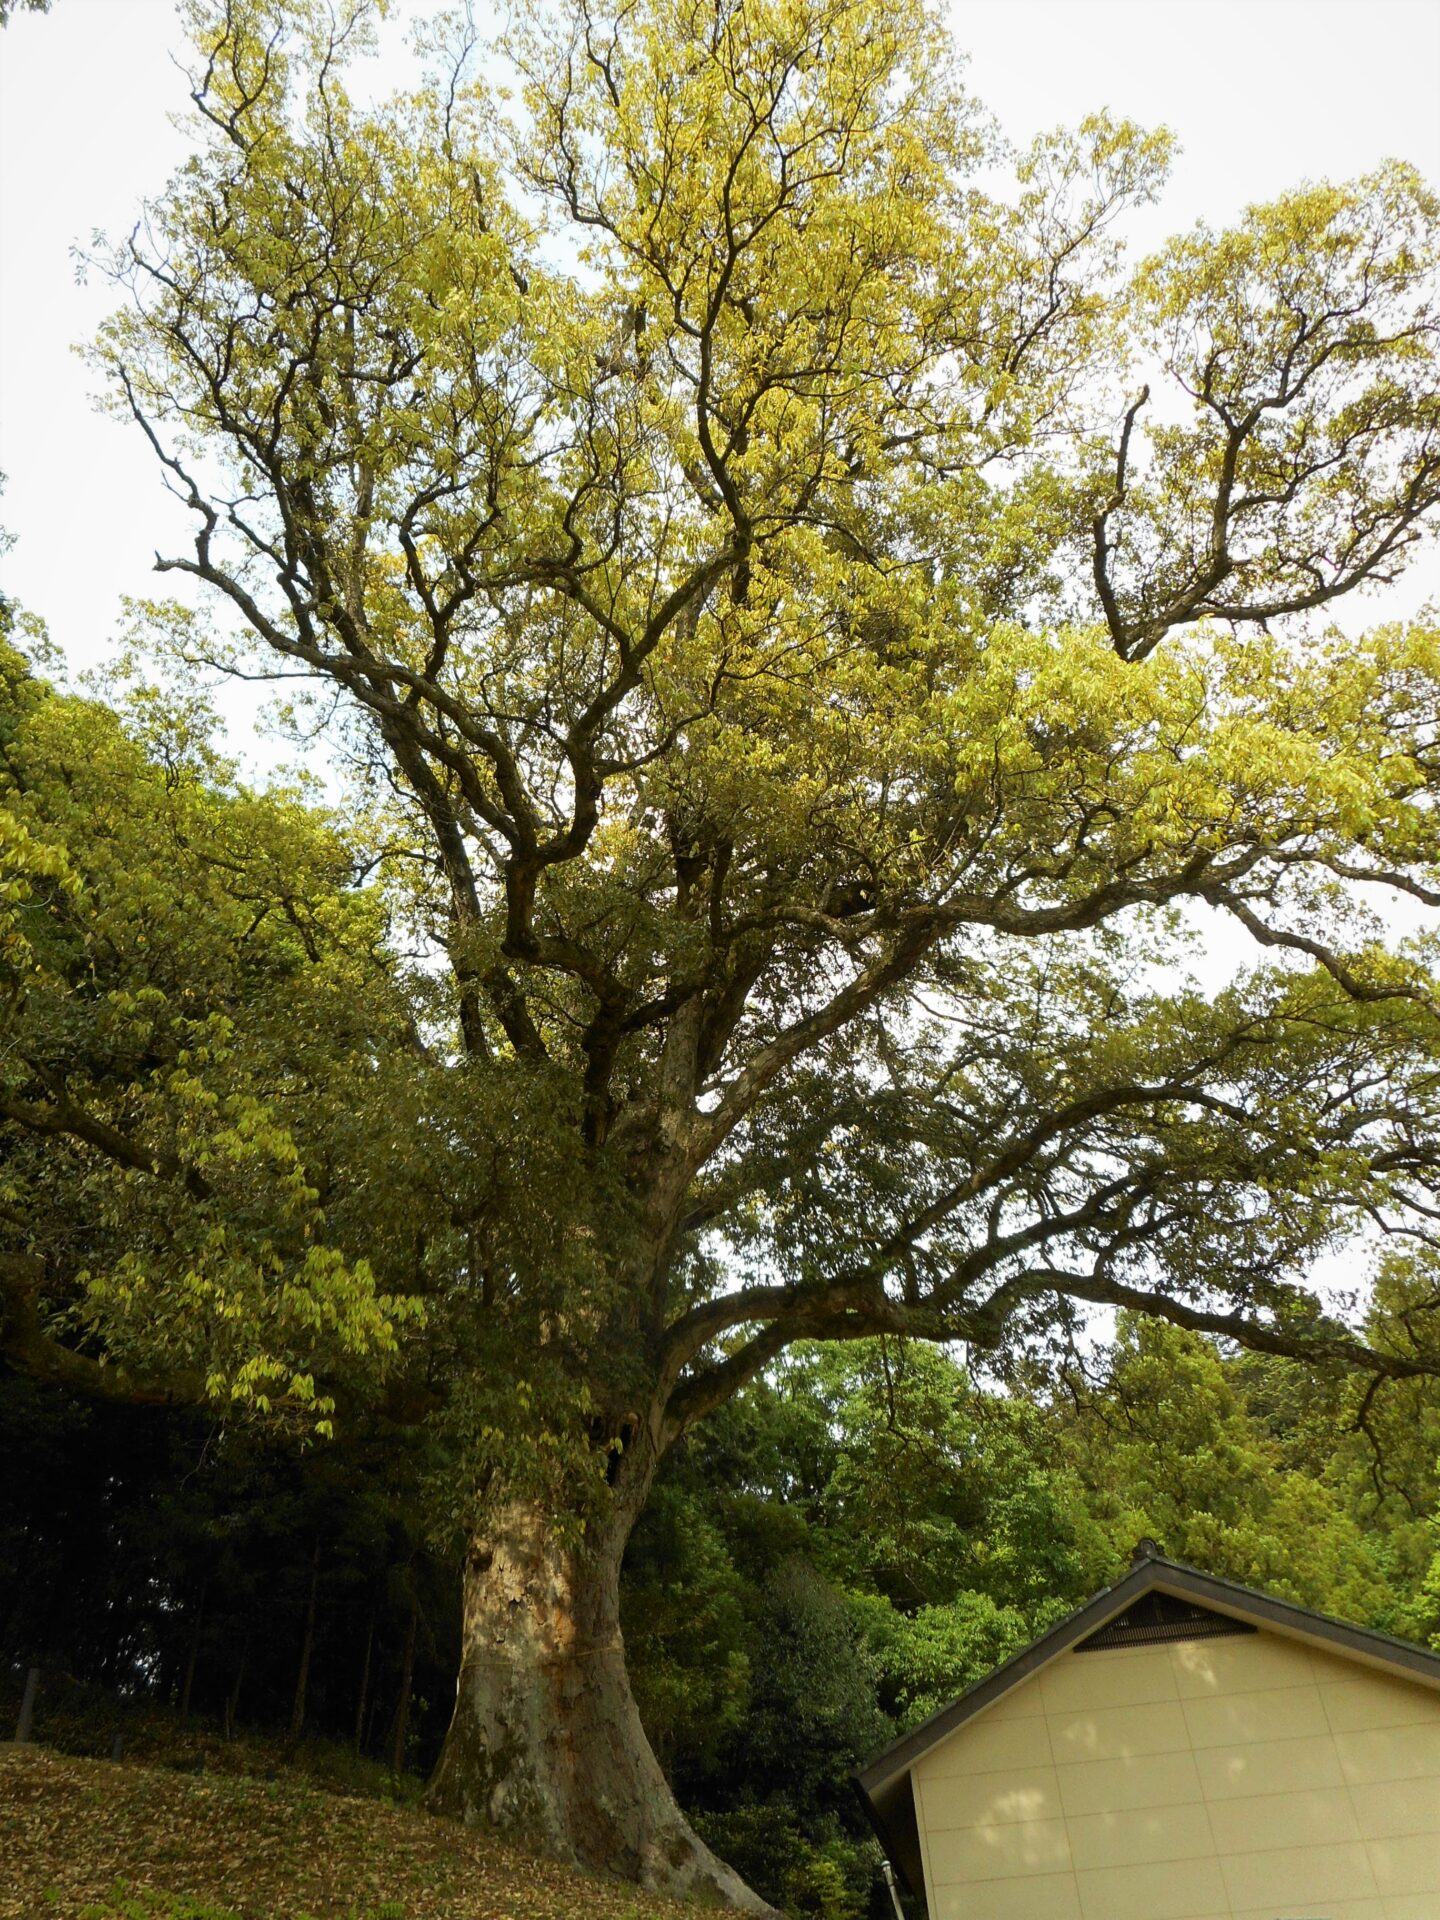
830	1559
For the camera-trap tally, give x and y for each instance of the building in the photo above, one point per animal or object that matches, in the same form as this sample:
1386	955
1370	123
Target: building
1180	1749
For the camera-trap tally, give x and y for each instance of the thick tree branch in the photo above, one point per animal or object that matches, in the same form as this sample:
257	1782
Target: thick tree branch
33	1351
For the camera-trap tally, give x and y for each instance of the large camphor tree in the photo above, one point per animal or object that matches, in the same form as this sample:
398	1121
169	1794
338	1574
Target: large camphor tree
813	639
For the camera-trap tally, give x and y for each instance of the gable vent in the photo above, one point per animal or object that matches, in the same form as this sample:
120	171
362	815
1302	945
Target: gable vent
1158	1617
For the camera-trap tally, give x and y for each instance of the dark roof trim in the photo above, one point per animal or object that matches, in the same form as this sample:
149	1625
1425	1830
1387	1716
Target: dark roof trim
1169	1576
896	1826
902	1755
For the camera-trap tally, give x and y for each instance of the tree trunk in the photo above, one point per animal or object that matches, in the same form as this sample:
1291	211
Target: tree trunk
232	1699
546	1741
302	1678
25	1725
364	1699
188	1688
401	1725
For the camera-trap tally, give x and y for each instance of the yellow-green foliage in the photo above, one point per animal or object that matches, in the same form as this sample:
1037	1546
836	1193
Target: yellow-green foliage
814	631
192	985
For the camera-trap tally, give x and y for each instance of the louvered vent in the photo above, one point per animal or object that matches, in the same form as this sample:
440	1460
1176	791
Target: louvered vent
1157	1617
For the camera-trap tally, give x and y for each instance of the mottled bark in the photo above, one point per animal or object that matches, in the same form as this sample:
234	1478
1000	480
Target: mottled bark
546	1741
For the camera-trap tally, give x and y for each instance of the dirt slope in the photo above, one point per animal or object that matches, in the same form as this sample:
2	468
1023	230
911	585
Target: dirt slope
261	1850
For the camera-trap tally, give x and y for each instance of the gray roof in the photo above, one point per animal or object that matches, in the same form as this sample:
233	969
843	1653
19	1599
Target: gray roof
885	1784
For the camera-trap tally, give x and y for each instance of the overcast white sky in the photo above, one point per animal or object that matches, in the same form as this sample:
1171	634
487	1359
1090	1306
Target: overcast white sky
1262	93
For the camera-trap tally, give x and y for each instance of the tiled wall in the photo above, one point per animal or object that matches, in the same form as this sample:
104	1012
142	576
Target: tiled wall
1245	1778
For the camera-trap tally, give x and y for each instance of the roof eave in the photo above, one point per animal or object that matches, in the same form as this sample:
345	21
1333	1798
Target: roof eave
1378	1650
904	1752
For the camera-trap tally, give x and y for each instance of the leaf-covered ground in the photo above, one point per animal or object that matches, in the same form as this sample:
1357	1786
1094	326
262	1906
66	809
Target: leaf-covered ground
81	1837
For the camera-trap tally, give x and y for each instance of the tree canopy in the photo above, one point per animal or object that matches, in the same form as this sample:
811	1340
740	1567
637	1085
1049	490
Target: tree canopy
197	1007
810	635
9	8
785	654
